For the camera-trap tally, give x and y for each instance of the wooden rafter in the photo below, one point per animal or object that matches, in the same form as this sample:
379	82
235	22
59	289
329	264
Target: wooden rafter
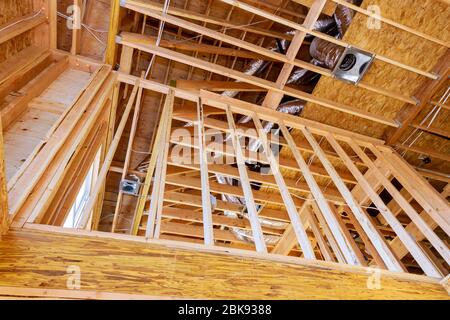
323	36
424	94
273	98
240	76
289	61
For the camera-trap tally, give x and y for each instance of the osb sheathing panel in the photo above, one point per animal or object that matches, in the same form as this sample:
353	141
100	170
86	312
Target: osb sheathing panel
428	16
10	10
40	260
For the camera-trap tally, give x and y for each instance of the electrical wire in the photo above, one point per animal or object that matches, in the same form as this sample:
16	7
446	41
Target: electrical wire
434	112
87	27
158	39
22	20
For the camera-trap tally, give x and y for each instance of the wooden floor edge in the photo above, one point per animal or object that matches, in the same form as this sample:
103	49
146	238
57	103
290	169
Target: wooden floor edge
324	265
68	294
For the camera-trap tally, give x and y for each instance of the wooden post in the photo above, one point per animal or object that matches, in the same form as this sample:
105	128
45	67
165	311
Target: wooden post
297	224
249	200
324	249
52	20
273	98
110	56
76	26
85	216
322	203
148	177
383	249
137	109
412	245
208	235
417	186
156	202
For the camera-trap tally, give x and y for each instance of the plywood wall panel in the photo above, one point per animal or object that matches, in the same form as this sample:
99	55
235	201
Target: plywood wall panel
10	10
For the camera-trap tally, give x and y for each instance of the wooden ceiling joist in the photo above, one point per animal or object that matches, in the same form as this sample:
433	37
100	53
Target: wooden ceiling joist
390	22
289	61
240	76
432	130
424	94
323	36
424	151
273	98
150	5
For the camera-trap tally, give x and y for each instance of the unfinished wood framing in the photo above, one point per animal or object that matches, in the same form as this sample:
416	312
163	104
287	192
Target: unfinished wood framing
216	150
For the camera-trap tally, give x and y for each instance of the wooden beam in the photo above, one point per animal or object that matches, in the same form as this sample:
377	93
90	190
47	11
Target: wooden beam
328	233
348	236
297	225
192	15
246	108
196	231
199	47
435	131
285	162
438	263
412	245
444	106
193	216
260	243
85	215
260	196
273	98
425	151
268	54
148	177
156	202
392	23
128	154
397	246
114	21
240	76
314	224
390	260
330	194
318	196
20	25
213	85
296	26
424	94
219	126
417	186
53	24
430	174
76	26
204	175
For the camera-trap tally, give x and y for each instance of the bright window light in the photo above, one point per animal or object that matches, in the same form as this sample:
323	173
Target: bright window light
82	198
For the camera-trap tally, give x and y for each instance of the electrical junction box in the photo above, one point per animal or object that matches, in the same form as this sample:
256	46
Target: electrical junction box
352	65
130	187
